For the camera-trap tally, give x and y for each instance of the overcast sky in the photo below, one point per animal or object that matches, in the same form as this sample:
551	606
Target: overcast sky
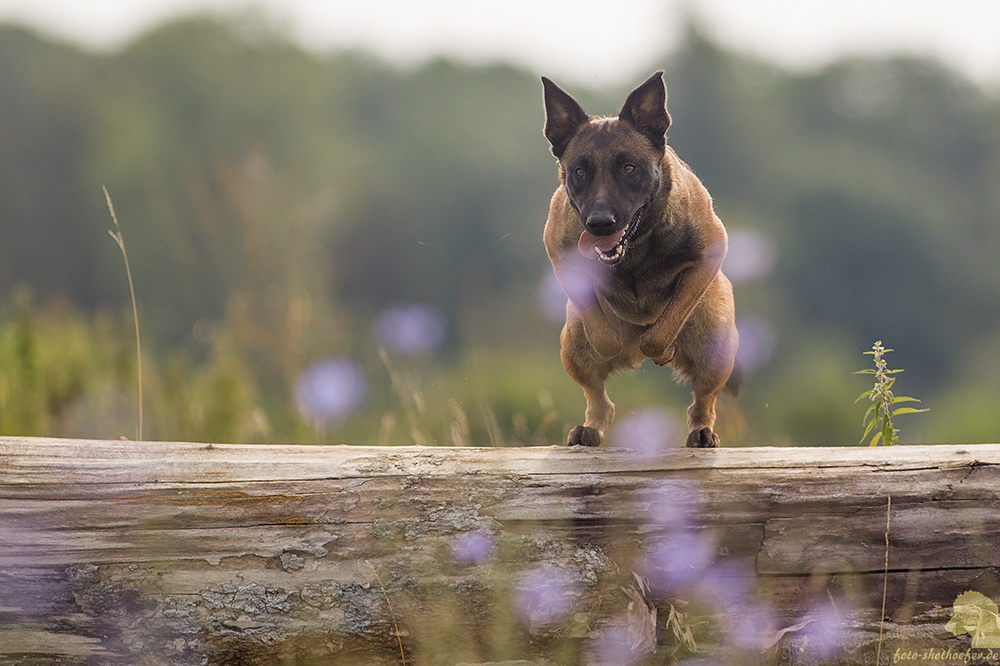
587	41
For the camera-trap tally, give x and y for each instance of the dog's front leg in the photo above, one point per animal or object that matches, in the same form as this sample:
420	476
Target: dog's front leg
707	349
583	305
604	341
579	360
657	342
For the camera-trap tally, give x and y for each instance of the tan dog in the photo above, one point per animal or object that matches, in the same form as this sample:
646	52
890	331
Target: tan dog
637	247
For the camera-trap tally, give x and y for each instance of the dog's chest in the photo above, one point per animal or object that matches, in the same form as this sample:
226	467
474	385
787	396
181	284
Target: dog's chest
640	299
640	294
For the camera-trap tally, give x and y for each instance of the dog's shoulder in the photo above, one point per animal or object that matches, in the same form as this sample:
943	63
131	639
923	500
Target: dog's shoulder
563	226
670	156
684	184
688	200
687	230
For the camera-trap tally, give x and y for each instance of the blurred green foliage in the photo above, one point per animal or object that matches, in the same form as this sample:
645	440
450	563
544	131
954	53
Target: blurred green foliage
274	202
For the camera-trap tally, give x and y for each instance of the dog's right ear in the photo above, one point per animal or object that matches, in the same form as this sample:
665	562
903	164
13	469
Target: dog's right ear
563	117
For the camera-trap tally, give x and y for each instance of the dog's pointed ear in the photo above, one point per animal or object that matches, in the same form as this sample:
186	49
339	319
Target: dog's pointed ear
563	117
646	110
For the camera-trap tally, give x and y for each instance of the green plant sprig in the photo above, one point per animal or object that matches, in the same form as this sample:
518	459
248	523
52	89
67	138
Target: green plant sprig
879	416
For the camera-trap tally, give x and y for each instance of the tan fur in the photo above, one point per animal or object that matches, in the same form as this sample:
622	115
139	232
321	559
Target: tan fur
684	318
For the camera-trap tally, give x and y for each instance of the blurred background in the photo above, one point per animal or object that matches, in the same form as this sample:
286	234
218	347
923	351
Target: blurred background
333	214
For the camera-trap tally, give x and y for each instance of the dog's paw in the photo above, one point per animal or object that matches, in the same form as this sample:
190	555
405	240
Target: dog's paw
654	349
667	357
703	438
584	436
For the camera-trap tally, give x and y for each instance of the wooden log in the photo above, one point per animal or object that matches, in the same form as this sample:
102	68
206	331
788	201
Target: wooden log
176	553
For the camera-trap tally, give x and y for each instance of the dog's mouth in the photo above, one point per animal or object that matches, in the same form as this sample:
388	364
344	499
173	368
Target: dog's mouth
609	249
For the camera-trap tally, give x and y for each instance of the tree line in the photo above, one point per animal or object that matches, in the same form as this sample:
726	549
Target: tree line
277	203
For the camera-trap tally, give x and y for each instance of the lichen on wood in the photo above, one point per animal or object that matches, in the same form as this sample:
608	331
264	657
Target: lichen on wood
177	553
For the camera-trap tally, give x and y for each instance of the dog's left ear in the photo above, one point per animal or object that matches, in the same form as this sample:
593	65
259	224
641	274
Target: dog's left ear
646	110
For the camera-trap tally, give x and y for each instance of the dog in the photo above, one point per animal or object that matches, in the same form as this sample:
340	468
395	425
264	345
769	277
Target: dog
637	247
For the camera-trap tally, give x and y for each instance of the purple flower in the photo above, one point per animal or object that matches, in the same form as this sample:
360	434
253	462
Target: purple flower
677	561
726	585
823	636
579	280
647	432
331	390
751	256
752	627
473	546
757	343
543	596
670	504
551	298
411	329
620	645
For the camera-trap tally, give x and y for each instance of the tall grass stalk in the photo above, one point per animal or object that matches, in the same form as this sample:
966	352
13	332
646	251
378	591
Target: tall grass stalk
392	614
411	399
885	580
135	311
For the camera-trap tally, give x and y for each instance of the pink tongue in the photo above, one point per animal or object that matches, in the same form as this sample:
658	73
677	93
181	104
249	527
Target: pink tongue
589	243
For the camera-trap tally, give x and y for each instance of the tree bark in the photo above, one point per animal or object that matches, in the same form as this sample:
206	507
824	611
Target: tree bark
176	553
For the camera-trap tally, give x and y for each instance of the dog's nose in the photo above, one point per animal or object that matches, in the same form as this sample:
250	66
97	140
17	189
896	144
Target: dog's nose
601	224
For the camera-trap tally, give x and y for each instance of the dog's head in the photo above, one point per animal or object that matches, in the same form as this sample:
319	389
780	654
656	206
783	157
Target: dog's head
611	167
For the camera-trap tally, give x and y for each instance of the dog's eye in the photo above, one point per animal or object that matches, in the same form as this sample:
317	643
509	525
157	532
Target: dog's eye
580	172
629	168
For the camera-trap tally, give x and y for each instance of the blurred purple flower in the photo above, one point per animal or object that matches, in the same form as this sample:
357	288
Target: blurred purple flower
29	590
580	277
670	504
616	645
647	432
751	256
752	627
726	585
330	390
544	596
411	329
757	343
551	298
823	637
677	561
473	546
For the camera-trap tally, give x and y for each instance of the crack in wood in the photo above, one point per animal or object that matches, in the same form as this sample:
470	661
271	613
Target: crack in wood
188	554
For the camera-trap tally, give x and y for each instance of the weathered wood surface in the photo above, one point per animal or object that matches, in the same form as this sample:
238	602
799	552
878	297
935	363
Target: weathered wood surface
176	553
